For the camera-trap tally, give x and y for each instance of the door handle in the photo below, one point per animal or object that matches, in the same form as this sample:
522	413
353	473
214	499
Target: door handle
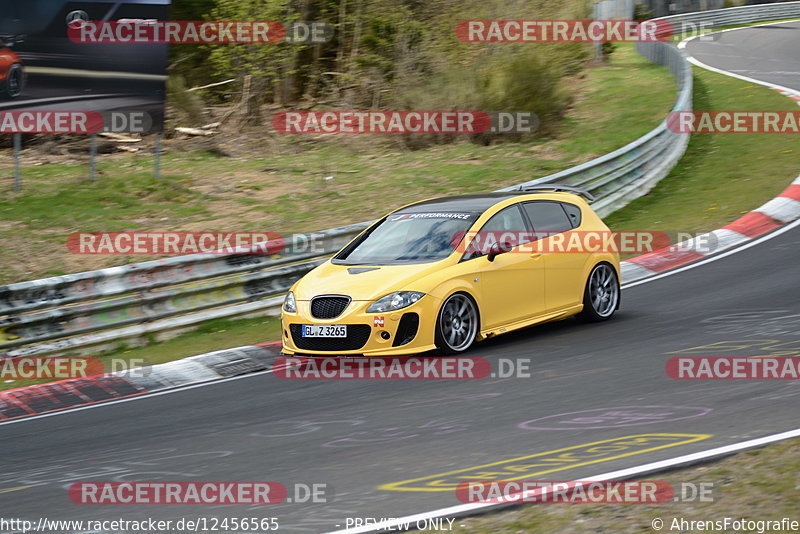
535	255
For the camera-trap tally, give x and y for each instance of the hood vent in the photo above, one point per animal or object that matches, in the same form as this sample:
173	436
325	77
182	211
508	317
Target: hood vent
359	270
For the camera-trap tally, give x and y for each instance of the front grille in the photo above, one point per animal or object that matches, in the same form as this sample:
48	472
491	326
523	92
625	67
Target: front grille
407	329
328	307
357	337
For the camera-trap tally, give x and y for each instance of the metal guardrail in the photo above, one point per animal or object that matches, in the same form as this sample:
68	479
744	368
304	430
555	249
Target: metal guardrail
95	301
89	311
633	170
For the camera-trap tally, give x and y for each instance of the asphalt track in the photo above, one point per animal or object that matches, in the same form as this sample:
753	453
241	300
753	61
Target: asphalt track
767	53
45	92
357	435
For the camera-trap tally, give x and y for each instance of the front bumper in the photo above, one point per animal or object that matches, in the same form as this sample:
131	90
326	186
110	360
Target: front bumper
368	334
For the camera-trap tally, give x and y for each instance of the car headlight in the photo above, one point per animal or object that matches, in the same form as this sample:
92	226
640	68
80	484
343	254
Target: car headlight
289	304
395	301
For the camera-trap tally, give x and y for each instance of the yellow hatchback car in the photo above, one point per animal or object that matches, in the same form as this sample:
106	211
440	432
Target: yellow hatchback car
447	272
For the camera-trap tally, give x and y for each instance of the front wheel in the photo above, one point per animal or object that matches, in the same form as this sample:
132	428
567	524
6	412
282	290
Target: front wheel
601	296
15	79
457	324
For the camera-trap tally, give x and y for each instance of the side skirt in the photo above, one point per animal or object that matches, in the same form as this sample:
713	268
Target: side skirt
547	317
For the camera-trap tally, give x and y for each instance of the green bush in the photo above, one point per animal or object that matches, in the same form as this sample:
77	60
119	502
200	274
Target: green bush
512	78
187	107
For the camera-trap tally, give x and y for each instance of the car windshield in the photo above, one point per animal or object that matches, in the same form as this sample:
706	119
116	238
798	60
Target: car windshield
409	238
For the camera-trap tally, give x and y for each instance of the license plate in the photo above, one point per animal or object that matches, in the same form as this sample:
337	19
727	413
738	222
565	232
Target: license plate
324	330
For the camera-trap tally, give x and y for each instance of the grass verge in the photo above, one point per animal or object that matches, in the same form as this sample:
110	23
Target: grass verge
721	176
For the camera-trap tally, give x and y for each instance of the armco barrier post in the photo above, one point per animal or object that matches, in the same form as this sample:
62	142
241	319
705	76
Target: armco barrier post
92	157
157	171
17	150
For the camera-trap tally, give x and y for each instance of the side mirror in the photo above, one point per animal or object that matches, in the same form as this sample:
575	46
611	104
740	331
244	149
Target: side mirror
497	249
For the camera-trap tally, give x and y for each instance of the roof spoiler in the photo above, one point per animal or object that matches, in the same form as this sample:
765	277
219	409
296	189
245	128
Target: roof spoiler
556	188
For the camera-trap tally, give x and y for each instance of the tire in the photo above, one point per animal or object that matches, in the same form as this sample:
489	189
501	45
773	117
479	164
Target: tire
14	83
457	324
601	295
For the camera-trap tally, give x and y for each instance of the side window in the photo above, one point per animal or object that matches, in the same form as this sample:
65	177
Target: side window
547	217
574	214
507	226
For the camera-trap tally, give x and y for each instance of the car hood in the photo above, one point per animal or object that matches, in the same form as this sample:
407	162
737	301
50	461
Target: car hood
363	282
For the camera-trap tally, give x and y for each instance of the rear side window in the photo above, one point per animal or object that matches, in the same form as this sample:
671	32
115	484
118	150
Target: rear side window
507	220
507	225
547	217
574	214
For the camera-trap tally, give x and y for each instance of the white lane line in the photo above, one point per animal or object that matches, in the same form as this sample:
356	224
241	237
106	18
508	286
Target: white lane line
620	474
702	65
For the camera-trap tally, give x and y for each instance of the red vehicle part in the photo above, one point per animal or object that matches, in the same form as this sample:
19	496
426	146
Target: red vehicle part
12	75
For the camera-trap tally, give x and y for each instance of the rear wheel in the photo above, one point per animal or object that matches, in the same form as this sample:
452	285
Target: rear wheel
15	79
601	296
457	324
